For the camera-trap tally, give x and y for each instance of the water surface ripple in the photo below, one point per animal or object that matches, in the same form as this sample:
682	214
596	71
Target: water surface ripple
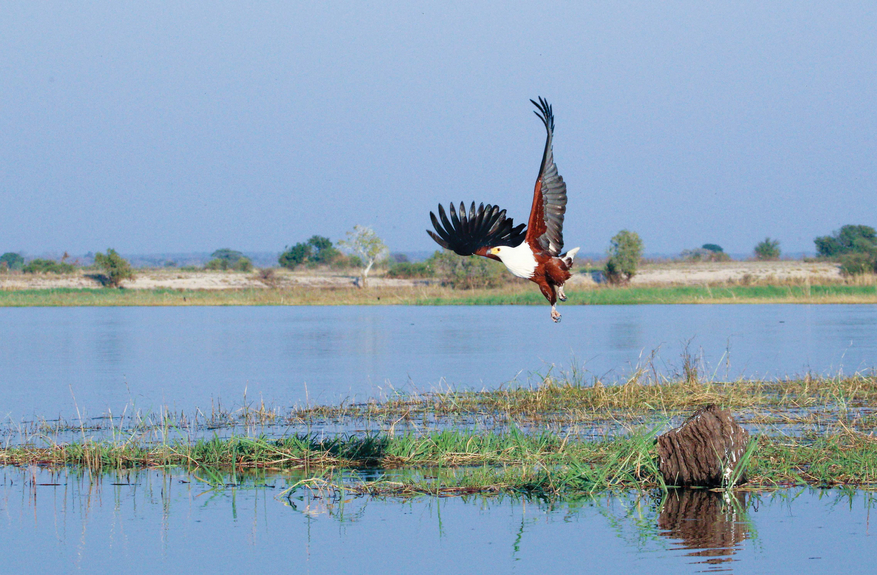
56	360
161	521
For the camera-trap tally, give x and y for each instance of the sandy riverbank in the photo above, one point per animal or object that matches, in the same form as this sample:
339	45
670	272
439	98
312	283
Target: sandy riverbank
671	273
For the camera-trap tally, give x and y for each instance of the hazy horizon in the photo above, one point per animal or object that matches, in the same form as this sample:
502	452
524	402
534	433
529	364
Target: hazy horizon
152	128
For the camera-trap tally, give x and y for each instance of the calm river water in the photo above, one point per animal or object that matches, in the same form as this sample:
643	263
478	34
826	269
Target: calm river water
164	522
55	360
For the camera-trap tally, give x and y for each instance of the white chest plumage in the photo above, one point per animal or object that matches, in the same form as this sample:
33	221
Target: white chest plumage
519	260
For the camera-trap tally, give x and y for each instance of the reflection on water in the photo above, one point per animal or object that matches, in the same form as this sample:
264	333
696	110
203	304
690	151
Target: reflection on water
58	360
710	524
153	521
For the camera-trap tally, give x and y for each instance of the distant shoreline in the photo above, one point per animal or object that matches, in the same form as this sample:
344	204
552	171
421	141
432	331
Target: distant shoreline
661	283
651	274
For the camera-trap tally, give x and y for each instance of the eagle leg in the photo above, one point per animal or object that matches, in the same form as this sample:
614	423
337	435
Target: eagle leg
560	295
549	290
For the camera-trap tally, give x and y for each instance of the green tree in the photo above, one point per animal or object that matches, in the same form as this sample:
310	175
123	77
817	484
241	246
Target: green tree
767	250
716	248
848	239
316	251
322	250
294	256
226	254
226	259
12	261
624	253
365	243
115	267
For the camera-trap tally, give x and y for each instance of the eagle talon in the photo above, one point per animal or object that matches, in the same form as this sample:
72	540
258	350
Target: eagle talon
555	315
560	295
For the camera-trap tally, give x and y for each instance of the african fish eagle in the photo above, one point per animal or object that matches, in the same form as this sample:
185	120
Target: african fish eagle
534	253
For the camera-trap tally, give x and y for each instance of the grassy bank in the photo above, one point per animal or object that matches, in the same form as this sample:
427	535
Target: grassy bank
517	294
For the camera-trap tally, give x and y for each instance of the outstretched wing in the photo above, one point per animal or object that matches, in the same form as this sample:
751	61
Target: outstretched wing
475	232
545	228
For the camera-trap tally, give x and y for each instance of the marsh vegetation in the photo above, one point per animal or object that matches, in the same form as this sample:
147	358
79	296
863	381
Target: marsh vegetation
561	438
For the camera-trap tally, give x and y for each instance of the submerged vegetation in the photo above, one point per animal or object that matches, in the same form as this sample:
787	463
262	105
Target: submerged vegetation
560	438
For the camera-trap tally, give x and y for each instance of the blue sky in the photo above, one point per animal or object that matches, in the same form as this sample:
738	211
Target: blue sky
150	127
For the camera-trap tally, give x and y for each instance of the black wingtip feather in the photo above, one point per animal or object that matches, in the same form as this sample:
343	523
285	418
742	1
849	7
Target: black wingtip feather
545	113
486	226
437	239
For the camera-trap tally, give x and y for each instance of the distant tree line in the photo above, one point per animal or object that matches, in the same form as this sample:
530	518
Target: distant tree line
853	246
114	267
15	262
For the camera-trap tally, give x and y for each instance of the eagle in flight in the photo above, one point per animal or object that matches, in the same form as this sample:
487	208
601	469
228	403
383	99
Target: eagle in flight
533	253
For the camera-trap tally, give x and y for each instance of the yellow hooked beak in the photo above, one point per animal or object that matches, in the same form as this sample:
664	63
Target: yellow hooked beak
493	251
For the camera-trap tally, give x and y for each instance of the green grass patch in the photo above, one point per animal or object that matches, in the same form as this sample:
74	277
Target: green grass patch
544	465
518	293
